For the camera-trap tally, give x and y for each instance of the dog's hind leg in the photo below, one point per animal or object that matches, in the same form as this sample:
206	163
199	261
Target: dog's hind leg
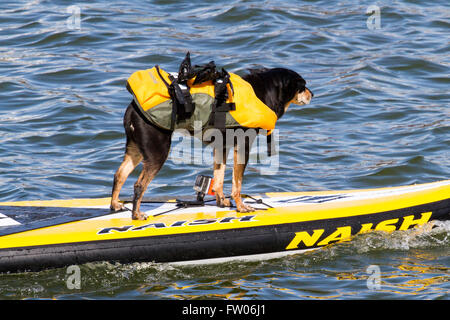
154	144
149	171
153	161
131	159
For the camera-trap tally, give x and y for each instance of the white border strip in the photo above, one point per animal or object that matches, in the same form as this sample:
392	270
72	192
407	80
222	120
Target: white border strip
244	258
7	221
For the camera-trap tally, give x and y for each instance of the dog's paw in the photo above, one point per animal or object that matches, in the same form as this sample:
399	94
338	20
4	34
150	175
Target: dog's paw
223	202
245	208
116	206
227	203
139	216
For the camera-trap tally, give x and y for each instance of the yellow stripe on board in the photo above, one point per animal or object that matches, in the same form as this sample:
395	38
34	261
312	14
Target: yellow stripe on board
72	203
444	183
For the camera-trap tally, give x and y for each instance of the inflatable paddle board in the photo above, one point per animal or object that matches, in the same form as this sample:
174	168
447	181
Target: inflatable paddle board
43	234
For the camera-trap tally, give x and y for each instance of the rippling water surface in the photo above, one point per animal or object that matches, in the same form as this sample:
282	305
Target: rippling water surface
380	117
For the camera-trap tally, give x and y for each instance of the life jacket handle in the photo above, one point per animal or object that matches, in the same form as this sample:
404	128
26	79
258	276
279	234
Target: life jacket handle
182	102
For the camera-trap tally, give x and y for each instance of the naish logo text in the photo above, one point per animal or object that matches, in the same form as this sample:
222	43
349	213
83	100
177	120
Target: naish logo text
316	239
180	223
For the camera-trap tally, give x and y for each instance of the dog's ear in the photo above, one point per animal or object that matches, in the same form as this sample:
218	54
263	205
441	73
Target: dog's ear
301	84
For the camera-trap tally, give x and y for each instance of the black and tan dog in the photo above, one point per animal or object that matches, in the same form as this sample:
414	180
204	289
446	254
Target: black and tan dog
277	88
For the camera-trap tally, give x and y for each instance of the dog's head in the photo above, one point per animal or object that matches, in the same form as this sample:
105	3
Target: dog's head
279	87
303	95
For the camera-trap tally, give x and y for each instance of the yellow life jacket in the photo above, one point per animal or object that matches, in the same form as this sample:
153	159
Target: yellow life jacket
153	99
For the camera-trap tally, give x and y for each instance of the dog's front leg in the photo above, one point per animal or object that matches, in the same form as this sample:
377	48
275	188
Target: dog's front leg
238	174
219	176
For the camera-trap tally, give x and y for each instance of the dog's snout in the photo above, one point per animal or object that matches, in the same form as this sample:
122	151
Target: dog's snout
312	94
304	97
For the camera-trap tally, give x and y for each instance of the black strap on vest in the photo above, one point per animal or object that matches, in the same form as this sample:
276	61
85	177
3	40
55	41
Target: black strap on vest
182	104
220	107
183	94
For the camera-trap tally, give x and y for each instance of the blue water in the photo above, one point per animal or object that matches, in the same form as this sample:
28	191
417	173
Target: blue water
380	117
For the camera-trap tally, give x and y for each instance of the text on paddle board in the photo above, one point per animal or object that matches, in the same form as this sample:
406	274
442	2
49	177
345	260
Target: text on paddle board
318	237
180	223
